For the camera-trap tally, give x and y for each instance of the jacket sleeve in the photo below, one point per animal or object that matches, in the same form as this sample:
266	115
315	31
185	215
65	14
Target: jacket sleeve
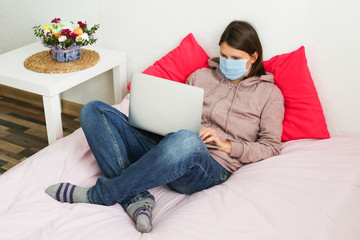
268	143
191	79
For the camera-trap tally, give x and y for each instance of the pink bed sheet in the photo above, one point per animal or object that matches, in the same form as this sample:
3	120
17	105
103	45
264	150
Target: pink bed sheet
310	191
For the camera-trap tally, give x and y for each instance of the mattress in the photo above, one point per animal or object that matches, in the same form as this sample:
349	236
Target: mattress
310	191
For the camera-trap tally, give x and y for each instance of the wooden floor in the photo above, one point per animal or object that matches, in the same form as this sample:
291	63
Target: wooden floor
23	131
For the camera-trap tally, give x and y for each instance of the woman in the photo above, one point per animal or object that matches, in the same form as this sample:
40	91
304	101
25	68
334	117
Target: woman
242	116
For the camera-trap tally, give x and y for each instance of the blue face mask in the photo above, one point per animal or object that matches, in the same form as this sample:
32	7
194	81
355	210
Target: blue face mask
233	69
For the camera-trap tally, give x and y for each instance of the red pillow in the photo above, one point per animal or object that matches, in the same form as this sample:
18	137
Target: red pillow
178	64
304	117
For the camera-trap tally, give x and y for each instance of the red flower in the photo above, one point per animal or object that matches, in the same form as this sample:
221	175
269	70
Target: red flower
56	20
66	32
73	36
81	24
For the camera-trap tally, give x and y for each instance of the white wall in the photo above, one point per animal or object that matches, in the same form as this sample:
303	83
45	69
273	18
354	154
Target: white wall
147	30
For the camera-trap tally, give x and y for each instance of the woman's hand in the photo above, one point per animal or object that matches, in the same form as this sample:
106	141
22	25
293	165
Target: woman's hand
209	136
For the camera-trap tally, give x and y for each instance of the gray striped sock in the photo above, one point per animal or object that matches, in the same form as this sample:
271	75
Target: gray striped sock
140	212
67	192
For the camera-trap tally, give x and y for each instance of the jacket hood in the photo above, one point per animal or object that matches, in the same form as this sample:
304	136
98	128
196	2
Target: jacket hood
214	65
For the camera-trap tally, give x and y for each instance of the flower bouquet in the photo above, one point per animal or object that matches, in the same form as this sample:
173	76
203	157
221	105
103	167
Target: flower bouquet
65	39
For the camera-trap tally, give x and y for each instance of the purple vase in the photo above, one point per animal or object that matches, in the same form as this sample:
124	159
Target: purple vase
66	55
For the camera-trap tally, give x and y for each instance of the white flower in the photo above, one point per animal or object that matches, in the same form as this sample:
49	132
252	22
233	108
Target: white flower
62	38
84	36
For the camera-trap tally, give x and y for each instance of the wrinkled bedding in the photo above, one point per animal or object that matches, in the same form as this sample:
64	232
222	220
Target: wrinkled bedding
310	191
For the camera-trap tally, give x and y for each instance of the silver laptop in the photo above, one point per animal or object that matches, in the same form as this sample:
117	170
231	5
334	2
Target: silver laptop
162	106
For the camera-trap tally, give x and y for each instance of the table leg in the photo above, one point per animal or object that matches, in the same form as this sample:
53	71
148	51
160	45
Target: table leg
119	78
52	109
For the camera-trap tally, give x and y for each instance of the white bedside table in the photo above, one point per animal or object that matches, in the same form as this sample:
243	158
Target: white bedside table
14	74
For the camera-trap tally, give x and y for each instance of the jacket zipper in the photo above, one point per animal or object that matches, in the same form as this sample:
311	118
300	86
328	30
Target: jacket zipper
211	112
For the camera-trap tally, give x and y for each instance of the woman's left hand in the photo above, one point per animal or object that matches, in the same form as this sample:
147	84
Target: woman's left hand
209	136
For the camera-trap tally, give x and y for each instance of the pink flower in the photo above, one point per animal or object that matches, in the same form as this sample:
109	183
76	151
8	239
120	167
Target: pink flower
81	24
56	20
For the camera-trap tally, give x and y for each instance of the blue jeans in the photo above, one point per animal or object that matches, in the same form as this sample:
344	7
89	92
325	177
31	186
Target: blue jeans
133	161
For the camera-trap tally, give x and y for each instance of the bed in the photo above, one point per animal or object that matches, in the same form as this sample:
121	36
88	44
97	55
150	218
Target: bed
310	191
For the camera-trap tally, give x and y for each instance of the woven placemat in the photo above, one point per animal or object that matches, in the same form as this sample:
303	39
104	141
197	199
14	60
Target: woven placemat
43	62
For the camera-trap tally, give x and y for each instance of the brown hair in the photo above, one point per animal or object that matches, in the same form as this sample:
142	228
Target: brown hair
242	36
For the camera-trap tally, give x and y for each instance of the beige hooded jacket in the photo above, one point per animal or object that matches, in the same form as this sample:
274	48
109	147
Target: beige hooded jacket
248	114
